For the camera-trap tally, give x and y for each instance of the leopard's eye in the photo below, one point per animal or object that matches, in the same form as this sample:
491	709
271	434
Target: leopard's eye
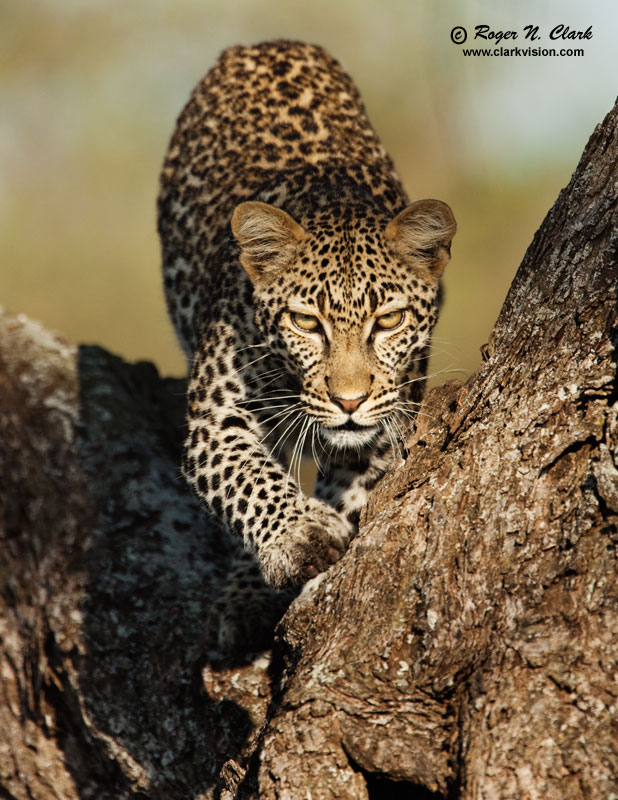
305	322
390	321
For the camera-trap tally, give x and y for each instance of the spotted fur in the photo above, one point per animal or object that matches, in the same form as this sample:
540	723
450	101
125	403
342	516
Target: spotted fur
304	289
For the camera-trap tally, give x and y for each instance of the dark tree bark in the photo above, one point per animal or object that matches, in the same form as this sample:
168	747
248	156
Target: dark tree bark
465	646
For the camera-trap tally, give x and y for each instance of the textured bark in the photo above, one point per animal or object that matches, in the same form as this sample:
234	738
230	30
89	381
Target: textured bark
466	645
468	642
108	568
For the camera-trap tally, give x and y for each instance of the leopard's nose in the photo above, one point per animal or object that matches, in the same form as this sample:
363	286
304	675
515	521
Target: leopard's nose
349	404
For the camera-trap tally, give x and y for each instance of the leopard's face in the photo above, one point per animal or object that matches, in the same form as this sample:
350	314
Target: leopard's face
351	352
350	317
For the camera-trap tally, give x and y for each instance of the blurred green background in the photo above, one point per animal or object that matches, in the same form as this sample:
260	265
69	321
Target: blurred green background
90	90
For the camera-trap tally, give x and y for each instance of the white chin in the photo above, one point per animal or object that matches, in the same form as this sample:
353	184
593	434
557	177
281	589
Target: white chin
343	439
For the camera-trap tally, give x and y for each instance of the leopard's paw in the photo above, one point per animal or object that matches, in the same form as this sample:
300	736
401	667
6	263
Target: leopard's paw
313	539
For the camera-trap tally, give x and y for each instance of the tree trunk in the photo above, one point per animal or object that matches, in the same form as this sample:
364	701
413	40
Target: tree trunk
465	647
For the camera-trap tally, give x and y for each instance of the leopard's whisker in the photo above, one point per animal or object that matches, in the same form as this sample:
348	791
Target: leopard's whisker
287	410
292	466
276	373
286	415
386	426
251	346
302	448
314	426
260	375
268	398
255	361
261	409
267	461
446	371
269	382
327	453
289	430
413	413
400	437
296	454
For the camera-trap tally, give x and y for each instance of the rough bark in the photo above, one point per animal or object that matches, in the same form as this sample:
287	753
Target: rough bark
465	646
108	568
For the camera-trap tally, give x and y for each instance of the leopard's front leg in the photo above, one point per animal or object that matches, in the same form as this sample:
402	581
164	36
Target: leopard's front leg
229	465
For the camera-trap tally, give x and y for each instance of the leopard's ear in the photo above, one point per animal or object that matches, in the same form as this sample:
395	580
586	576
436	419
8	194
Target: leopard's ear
268	239
423	232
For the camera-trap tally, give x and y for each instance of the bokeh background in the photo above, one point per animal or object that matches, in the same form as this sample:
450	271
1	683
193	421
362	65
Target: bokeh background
90	89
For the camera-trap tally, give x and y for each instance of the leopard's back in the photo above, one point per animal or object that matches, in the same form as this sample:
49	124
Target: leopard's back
268	121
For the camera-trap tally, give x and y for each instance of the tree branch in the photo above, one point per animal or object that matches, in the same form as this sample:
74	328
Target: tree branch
467	642
466	645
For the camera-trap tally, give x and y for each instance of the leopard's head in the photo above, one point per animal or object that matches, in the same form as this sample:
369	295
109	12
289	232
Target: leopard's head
348	304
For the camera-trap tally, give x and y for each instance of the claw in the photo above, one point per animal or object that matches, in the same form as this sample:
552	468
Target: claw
333	554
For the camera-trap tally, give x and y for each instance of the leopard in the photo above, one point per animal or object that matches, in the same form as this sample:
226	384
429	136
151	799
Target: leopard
304	288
